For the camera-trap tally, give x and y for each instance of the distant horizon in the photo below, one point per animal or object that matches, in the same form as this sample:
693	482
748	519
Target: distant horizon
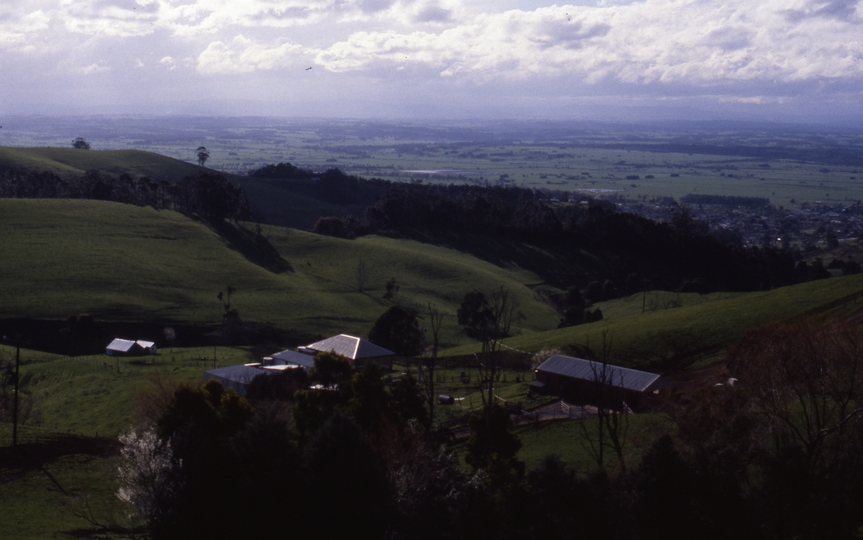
724	122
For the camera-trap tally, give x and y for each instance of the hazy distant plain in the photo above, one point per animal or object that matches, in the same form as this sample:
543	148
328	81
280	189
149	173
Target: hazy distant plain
790	165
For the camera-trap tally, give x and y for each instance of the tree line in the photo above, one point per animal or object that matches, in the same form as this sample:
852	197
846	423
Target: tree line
725	200
683	242
207	195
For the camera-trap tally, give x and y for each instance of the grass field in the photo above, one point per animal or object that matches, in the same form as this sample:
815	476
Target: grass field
703	328
120	262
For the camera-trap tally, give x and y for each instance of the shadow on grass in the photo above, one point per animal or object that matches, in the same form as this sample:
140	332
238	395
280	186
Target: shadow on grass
252	245
557	263
28	456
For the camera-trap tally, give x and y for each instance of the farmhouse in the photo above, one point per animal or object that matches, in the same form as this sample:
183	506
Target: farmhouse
126	347
586	381
357	350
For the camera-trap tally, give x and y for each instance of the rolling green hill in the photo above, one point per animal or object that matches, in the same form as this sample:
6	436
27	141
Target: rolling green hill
69	161
700	329
125	263
289	203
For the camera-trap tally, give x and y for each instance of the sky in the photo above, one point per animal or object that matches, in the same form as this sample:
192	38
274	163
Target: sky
780	60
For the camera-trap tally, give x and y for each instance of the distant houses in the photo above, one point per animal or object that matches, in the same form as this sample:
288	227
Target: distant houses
126	347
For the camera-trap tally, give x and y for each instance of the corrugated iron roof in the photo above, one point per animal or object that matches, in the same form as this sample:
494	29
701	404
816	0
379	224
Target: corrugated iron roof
294	357
588	370
120	345
240	373
350	347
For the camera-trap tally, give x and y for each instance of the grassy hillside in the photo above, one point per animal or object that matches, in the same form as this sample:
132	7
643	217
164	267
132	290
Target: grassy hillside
70	161
701	327
124	263
279	202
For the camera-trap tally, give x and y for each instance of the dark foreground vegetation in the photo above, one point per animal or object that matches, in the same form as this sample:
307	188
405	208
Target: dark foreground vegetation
773	454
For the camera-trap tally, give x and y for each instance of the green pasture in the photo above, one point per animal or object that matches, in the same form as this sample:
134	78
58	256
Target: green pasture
576	165
701	329
70	161
566	439
124	263
87	395
61	495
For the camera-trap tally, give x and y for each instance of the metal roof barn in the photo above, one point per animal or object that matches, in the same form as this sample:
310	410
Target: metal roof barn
588	370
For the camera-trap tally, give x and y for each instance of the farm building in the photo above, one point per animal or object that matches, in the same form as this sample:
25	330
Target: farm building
238	377
297	358
357	350
586	381
126	347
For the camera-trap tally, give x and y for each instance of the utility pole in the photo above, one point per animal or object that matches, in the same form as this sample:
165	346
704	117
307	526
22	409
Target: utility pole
15	410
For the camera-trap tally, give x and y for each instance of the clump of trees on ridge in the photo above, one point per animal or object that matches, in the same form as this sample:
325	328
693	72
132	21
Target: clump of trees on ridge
209	196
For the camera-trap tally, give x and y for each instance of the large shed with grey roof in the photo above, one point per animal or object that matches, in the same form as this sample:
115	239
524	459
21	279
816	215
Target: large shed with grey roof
587	381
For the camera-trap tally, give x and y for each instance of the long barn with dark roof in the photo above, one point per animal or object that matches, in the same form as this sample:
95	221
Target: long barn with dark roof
587	381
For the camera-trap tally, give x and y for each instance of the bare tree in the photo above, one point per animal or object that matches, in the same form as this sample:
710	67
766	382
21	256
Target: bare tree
503	310
362	275
612	414
428	363
805	380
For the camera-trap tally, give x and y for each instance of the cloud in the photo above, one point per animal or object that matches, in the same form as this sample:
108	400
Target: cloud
18	30
243	55
98	67
169	63
115	18
656	41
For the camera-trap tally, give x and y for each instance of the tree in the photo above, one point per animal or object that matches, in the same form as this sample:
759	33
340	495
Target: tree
428	363
807	381
804	381
500	312
398	330
330	226
474	313
80	144
203	155
491	446
331	369
392	289
349	476
612	414
231	322
362	274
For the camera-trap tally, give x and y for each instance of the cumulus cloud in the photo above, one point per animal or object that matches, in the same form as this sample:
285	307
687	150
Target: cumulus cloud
98	67
117	18
656	41
242	55
17	30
